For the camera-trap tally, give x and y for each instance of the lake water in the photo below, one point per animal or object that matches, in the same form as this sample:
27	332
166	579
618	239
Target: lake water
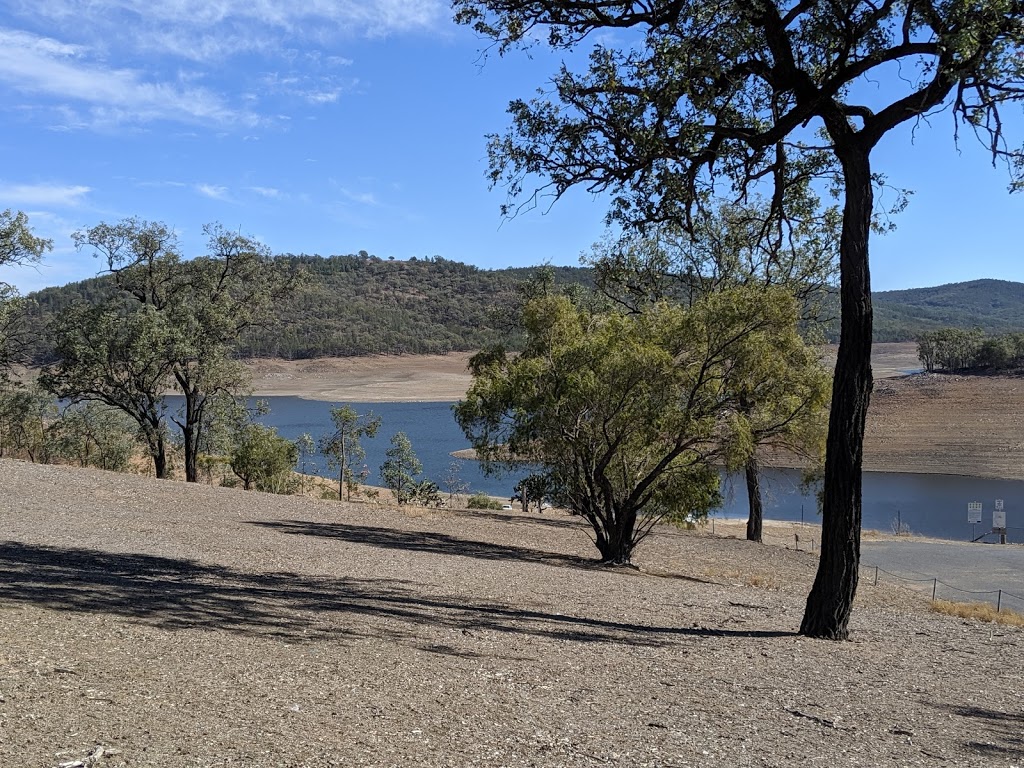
932	505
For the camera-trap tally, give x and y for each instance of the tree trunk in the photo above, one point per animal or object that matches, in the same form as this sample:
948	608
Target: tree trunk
160	459
756	516
191	440
615	539
831	598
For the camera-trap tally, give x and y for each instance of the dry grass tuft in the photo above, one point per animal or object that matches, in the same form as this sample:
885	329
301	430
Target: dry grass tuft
763	581
979	611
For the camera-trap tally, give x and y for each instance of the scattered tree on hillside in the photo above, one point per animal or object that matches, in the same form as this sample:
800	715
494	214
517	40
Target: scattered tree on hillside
627	413
453	482
190	311
18	247
532	488
343	449
750	96
401	468
121	356
263	460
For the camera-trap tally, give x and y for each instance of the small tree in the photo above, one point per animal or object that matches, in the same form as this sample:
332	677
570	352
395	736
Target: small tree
626	413
454	483
95	435
263	460
401	468
533	488
343	449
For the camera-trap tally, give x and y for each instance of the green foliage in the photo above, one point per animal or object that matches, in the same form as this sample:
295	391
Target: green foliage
482	501
533	489
400	469
956	350
92	434
18	246
426	494
120	356
165	322
26	416
353	305
627	413
263	460
345	310
343	449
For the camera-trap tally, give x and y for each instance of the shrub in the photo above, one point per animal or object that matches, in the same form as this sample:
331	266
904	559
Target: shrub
482	501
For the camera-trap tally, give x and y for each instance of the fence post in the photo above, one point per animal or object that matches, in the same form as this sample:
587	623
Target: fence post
876	576
999	601
935	585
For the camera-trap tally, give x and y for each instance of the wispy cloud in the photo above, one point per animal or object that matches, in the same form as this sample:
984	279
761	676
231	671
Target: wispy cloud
41	66
268	192
205	30
23	195
213	191
363	198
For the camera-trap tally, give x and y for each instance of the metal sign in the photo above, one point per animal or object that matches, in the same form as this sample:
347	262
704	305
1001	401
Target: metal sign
999	519
999	504
974	512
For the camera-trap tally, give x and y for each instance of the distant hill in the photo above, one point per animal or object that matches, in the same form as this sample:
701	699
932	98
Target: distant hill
994	306
361	304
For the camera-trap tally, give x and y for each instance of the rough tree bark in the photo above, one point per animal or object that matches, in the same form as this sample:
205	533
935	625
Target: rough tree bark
829	602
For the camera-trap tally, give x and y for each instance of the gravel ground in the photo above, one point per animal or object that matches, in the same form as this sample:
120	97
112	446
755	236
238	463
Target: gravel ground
148	623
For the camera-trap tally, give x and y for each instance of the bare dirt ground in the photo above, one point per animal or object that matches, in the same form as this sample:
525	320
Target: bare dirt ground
149	623
365	379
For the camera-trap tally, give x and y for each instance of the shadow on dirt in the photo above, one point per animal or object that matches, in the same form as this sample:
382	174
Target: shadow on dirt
424	541
996	734
180	594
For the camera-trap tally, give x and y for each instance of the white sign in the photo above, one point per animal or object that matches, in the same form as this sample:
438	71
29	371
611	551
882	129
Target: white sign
999	518
999	504
974	512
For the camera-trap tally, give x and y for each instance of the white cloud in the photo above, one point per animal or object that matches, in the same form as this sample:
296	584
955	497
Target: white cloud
44	67
363	198
22	195
268	192
206	30
213	191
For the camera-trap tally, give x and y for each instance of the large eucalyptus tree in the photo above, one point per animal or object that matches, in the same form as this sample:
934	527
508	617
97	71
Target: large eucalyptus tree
685	98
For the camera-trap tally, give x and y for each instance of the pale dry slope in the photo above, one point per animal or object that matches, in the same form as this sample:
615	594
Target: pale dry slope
150	623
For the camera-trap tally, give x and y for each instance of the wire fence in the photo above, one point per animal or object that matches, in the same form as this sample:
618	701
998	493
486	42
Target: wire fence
1002	599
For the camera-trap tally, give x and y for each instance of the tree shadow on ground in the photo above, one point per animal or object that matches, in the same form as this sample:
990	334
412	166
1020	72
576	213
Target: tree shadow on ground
997	734
527	518
425	541
179	594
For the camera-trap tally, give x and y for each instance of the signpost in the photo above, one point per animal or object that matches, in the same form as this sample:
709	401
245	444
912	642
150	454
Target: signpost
999	521
973	515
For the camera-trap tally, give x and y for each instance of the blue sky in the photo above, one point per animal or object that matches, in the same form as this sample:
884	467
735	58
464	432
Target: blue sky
333	126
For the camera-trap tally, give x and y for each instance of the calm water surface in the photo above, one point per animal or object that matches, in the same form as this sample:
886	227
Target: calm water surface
932	505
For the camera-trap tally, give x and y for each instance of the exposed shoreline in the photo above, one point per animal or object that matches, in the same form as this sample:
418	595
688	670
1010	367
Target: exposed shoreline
972	426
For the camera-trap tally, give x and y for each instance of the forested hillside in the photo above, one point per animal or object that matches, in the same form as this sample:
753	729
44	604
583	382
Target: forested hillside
360	304
993	306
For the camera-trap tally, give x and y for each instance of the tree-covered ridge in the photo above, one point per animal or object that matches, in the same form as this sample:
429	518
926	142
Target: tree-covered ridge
994	306
360	304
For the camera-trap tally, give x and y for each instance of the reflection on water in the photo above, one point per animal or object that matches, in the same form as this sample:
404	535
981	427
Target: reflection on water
931	505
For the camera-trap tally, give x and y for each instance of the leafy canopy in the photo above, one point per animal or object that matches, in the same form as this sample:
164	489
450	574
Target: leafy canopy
627	413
